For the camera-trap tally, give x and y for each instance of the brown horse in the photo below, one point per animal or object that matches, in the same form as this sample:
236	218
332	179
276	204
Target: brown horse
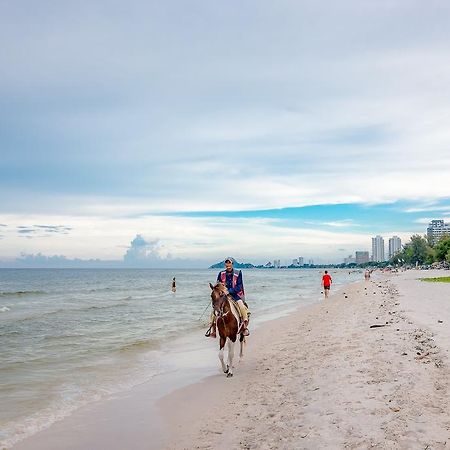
228	324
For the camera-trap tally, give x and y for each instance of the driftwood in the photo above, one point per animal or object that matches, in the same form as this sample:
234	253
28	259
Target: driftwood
378	325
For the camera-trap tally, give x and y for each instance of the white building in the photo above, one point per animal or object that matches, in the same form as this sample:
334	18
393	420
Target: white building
300	261
377	249
395	246
436	230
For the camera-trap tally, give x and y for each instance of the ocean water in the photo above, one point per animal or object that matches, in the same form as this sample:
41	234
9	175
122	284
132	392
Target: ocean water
69	337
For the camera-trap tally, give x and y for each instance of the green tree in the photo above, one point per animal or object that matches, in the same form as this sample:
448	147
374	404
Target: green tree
442	249
416	251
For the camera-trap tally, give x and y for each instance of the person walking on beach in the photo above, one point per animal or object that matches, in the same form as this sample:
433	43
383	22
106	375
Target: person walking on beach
326	283
174	285
232	280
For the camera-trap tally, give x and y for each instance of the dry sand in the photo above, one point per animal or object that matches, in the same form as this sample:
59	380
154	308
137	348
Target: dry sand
324	379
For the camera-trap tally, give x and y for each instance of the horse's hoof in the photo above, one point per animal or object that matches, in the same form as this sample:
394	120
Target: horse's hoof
229	375
227	369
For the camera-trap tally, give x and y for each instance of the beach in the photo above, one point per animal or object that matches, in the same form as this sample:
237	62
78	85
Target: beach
367	368
323	378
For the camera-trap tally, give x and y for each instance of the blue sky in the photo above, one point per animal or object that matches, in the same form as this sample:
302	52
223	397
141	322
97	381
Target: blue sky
259	129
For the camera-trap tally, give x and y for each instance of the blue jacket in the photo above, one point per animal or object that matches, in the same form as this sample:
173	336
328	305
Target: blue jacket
233	282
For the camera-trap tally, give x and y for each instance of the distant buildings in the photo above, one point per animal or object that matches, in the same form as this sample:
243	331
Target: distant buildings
362	257
378	253
395	246
298	261
349	260
377	249
436	230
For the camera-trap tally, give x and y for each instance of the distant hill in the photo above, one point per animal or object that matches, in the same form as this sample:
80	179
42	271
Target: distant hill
236	265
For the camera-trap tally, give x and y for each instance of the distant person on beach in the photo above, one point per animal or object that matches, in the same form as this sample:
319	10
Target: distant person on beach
326	283
232	279
174	285
367	274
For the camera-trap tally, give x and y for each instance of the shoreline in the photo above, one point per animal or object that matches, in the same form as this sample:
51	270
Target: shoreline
187	360
310	379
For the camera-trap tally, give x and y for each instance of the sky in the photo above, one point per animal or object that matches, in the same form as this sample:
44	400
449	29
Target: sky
173	134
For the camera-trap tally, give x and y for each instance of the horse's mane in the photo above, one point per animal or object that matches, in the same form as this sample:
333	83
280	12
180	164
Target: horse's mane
221	288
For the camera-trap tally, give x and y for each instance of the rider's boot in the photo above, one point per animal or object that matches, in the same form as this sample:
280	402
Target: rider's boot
245	331
211	331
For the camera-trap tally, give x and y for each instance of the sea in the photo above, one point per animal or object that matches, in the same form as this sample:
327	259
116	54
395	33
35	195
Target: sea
73	336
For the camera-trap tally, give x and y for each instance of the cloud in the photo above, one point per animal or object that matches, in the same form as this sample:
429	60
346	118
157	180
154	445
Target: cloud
167	107
33	231
423	220
344	223
435	208
56	261
54	228
25	230
142	250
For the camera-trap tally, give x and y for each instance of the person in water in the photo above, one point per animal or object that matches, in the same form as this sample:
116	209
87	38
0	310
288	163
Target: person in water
232	280
174	285
326	283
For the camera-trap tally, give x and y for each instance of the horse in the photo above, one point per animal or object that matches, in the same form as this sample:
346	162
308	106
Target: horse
228	324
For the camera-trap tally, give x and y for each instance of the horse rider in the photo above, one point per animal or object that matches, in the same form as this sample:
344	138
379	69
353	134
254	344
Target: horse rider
232	280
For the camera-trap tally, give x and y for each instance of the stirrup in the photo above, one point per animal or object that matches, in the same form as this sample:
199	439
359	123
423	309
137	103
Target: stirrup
243	330
208	333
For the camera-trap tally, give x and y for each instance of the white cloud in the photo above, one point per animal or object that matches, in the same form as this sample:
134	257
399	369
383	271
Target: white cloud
168	107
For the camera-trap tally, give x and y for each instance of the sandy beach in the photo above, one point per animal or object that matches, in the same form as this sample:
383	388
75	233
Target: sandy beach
368	368
323	378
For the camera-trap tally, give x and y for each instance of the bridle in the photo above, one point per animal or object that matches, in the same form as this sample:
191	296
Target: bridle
219	311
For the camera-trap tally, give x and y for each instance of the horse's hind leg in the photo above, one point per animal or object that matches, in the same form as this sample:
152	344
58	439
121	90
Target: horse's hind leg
230	357
222	345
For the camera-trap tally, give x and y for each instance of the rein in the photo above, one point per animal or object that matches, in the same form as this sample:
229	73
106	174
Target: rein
219	313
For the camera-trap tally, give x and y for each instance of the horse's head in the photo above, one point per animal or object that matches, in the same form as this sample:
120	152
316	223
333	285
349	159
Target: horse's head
219	294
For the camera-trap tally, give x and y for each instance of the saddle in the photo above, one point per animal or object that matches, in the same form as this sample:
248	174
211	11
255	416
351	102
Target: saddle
241	320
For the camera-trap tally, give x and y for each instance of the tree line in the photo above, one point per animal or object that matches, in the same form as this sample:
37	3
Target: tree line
419	250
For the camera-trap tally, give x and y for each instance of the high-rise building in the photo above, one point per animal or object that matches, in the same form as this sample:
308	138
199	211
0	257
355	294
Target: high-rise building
377	249
362	257
300	261
395	245
436	230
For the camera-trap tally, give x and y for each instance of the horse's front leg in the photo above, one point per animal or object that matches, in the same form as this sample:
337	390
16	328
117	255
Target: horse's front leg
222	345
230	357
241	346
